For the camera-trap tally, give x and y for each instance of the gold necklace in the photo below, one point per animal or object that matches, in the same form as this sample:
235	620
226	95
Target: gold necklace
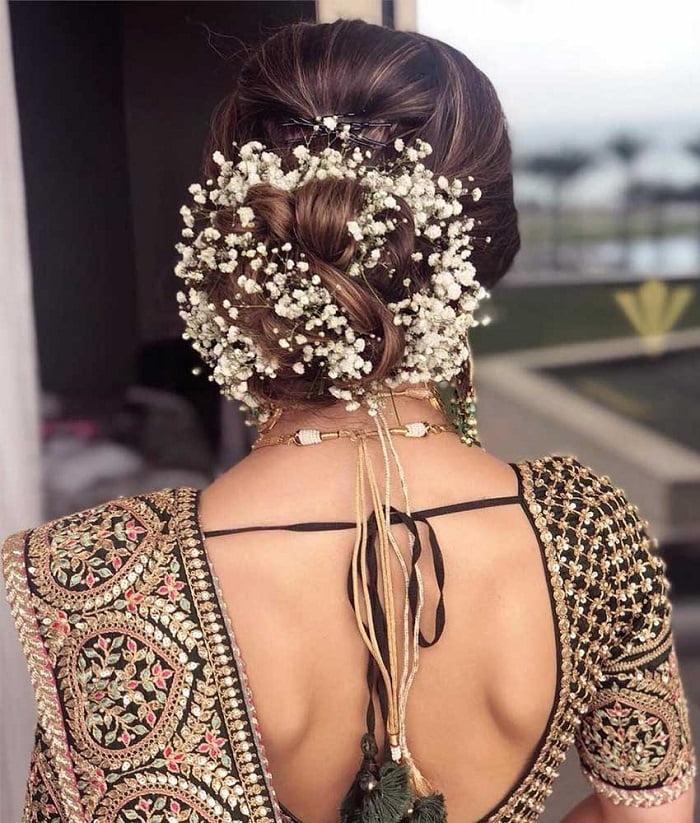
311	437
416	392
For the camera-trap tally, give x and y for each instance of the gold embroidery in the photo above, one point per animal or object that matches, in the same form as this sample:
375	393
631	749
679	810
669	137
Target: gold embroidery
635	743
657	648
86	562
528	799
48	709
233	688
134	692
103	669
42	801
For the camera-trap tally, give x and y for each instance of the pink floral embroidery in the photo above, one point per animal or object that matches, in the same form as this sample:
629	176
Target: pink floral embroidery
172	758
160	675
132	530
171	587
87	552
212	745
60	622
132	598
98	781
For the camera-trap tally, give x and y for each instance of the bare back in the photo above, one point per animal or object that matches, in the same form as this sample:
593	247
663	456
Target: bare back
483	695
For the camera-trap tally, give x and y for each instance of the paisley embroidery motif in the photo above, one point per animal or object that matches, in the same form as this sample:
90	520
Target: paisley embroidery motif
127	685
87	553
71	573
638	738
157	798
124	687
634	743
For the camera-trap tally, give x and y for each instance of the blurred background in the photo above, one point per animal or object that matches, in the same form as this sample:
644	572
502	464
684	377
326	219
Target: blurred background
594	344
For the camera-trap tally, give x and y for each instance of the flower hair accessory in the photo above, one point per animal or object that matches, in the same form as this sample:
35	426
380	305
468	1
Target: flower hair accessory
329	124
316	335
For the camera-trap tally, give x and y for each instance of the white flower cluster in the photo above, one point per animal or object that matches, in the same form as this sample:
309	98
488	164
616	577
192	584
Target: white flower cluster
314	330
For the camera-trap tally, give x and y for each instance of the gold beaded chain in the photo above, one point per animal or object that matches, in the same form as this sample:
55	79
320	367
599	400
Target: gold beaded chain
310	437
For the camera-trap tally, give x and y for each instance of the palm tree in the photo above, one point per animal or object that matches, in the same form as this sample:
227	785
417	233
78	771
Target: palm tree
655	195
559	168
626	148
693	147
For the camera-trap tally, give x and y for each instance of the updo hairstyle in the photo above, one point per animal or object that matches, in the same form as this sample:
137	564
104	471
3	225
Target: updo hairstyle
420	88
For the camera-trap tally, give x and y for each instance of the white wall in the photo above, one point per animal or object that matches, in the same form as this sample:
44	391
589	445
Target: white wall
20	503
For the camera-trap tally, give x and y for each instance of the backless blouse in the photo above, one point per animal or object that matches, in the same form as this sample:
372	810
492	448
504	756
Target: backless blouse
144	709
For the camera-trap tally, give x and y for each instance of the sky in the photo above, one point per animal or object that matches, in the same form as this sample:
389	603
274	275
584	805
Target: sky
571	71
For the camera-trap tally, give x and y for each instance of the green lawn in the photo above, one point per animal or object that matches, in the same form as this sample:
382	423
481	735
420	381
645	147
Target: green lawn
582	226
532	316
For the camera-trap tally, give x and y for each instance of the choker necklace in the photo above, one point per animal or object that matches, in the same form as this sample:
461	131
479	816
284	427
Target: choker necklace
311	437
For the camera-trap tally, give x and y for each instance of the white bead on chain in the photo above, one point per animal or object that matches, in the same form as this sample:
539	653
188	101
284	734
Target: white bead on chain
308	437
416	430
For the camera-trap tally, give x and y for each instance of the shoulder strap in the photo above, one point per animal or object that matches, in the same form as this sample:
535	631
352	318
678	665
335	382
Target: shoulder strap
421	514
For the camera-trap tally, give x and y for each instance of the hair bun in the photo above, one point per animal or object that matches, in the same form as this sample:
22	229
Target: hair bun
410	88
314	219
323	210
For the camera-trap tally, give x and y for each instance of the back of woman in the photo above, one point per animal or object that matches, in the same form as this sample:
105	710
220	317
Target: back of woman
483	694
369	619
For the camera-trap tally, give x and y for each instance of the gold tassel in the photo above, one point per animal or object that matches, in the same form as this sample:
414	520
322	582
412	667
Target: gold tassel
420	785
398	675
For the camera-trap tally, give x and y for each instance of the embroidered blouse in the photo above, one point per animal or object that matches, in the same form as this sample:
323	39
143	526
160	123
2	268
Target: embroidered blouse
145	712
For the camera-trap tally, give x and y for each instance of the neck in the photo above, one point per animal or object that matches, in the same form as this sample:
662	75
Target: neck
399	408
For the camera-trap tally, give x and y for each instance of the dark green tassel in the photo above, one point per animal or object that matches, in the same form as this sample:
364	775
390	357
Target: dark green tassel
389	799
429	809
378	794
365	780
351	807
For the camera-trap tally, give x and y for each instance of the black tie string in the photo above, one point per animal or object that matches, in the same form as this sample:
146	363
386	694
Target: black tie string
375	684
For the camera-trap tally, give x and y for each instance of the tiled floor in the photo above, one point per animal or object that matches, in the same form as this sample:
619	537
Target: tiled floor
571	787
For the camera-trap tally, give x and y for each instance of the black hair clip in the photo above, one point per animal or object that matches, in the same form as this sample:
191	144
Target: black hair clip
356	127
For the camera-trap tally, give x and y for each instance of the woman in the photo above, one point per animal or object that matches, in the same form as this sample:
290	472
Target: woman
357	205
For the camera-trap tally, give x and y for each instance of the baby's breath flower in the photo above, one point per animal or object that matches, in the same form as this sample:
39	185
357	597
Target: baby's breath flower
355	230
435	317
246	215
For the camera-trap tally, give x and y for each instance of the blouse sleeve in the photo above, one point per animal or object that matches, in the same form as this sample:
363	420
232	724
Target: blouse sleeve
42	796
634	741
52	794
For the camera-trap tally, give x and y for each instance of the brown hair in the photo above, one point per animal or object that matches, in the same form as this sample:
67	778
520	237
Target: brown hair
420	87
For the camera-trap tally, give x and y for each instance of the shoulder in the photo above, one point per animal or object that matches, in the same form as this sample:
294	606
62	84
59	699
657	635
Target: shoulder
83	560
102	605
589	510
606	555
85	549
574	497
558	477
